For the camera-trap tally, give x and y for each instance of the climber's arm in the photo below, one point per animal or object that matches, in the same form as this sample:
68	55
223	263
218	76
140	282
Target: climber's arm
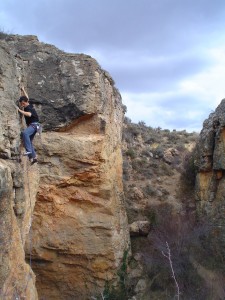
25	113
23	92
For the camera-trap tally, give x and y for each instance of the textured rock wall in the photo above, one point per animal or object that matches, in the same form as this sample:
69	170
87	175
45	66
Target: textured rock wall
17	280
210	185
79	229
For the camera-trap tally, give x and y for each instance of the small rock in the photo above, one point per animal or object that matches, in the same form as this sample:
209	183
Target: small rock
138	256
136	273
171	198
141	286
169	154
137	194
140	228
19	209
159	193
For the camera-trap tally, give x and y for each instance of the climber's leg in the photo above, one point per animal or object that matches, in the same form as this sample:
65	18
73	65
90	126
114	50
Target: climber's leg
27	134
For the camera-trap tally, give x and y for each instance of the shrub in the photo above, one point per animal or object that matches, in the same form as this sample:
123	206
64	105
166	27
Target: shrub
142	124
180	147
130	152
158	151
3	34
151	140
182	235
166	169
139	164
149	190
173	137
146	152
166	131
127	120
134	130
147	173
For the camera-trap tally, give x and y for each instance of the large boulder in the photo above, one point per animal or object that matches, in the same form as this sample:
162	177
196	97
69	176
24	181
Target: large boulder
79	229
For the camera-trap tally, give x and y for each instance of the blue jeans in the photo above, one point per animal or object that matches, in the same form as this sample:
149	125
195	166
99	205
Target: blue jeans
28	135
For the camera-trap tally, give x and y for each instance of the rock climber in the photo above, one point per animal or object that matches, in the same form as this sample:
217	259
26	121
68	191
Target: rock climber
32	121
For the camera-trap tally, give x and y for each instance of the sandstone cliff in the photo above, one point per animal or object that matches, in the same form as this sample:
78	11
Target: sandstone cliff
79	227
210	192
16	205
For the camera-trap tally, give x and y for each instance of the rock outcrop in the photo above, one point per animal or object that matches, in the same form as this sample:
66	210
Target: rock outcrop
17	180
79	231
140	228
210	183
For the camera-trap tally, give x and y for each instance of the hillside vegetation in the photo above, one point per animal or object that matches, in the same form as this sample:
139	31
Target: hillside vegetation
159	179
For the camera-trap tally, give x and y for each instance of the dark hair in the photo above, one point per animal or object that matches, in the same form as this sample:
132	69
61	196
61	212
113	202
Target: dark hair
23	99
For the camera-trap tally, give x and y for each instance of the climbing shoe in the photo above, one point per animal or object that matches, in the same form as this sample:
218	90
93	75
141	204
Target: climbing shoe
34	161
26	153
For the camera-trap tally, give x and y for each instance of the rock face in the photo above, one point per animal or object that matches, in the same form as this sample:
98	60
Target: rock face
210	186
79	229
17	179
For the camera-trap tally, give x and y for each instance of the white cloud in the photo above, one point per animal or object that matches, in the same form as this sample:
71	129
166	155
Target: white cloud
189	105
209	85
166	57
156	111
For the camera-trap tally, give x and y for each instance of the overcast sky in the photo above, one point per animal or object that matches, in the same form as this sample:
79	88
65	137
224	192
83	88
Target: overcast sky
167	57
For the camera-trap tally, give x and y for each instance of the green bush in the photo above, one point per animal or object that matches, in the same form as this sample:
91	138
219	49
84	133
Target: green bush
130	152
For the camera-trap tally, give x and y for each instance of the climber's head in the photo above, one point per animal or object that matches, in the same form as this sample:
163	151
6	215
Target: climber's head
23	101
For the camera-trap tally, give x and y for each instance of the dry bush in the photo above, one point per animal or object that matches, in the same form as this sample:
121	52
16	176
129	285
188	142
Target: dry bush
149	190
3	34
184	240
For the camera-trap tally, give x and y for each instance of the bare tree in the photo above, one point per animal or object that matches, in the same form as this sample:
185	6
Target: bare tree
168	256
